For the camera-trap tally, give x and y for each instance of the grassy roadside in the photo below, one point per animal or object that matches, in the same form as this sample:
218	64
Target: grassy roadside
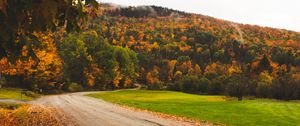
259	112
14	93
10	106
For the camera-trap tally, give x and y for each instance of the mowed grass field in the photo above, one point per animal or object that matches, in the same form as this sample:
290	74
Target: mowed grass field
216	109
13	93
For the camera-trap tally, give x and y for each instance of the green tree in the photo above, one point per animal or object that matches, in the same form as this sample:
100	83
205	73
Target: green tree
203	85
215	87
189	84
206	39
75	56
286	87
264	85
236	86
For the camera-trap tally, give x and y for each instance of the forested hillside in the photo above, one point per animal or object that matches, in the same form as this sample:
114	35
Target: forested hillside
160	48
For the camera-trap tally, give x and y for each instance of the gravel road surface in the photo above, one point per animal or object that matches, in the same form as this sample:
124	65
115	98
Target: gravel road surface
87	111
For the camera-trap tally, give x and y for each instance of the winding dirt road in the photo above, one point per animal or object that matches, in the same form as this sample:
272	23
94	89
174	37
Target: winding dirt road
87	111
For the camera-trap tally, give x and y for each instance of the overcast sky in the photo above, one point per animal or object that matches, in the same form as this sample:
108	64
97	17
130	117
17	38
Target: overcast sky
274	13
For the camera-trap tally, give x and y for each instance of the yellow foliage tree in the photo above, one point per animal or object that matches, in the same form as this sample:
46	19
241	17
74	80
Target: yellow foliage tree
171	66
234	68
118	77
215	67
178	75
46	68
197	70
91	73
153	76
265	77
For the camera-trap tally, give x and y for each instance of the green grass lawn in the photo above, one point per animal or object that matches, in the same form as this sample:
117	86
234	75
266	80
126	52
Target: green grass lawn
10	106
12	93
259	112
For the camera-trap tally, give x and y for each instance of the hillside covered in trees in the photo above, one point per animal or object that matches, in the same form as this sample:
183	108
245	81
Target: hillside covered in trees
159	48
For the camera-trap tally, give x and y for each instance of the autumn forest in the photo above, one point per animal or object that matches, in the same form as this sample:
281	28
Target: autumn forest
105	47
91	63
